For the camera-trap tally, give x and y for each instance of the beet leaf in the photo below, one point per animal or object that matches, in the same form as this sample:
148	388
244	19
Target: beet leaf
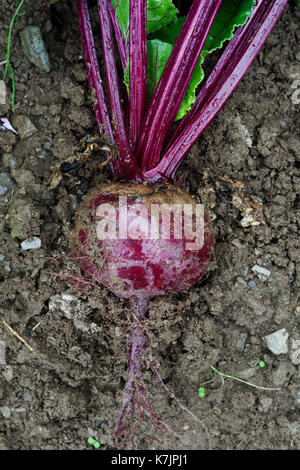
159	14
231	14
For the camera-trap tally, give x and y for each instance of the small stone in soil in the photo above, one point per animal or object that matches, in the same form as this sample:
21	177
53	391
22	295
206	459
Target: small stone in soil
12	161
31	243
8	374
277	341
247	373
24	125
265	404
5	411
260	271
34	47
47	145
6	183
240	344
295	351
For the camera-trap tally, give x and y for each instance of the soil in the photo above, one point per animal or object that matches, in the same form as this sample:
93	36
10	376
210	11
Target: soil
71	388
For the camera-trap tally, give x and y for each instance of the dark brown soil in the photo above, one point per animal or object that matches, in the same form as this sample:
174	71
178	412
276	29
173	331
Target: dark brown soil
71	389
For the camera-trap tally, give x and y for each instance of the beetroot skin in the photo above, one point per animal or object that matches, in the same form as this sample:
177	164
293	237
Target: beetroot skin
139	268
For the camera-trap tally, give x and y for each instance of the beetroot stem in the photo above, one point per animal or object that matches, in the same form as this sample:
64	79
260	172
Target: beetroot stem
119	37
228	72
93	74
174	81
137	66
130	169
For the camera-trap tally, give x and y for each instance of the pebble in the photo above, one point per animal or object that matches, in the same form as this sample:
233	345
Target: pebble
5	411
264	404
260	271
47	145
2	92
27	396
240	344
34	47
8	374
48	26
31	243
295	351
277	341
2	257
12	161
252	283
280	374
21	210
24	125
2	353
95	391
247	373
6	183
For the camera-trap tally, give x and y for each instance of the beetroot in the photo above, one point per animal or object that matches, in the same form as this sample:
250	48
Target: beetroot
136	267
140	267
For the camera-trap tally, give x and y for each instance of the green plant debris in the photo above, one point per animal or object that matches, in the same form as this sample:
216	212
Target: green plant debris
201	392
94	443
221	374
260	363
8	64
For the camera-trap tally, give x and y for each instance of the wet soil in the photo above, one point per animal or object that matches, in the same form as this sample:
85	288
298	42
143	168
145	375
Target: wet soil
71	388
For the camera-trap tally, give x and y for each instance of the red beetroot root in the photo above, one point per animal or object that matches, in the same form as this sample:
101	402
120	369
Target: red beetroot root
137	268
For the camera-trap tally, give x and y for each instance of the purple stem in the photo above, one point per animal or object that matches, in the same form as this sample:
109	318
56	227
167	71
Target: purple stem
137	66
119	37
230	69
130	169
137	347
175	80
94	78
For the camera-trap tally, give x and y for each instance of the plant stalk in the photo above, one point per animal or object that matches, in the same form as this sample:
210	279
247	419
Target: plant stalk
137	66
174	81
94	77
130	169
230	69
